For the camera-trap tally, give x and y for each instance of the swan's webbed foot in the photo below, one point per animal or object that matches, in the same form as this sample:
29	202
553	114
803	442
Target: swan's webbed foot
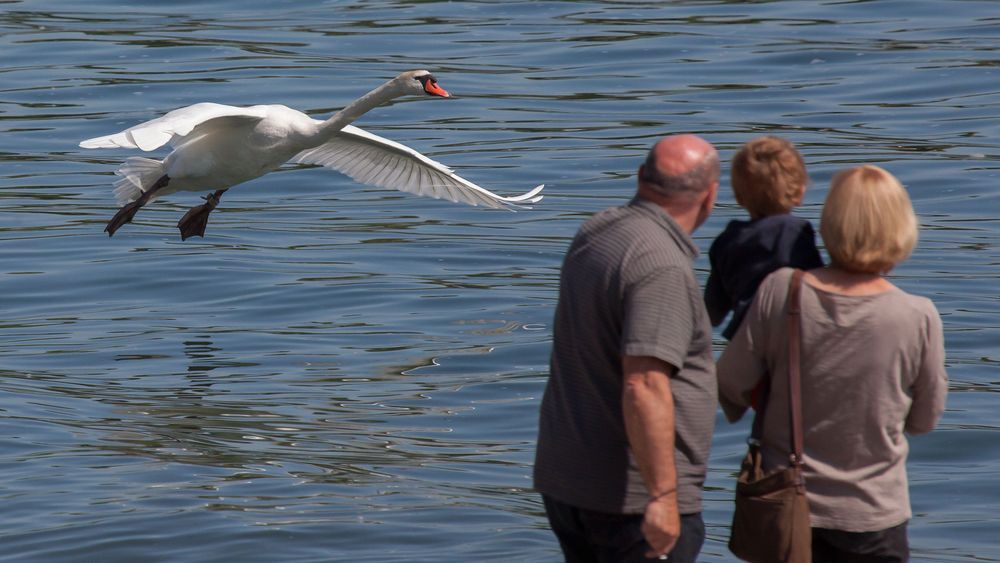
193	222
124	215
128	211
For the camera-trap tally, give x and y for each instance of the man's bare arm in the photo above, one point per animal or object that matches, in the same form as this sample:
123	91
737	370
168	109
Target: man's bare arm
648	408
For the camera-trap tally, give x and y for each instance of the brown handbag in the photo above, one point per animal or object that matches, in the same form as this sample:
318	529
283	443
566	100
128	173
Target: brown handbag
771	520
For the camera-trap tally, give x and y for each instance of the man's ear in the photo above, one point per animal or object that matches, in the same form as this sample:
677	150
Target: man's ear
707	204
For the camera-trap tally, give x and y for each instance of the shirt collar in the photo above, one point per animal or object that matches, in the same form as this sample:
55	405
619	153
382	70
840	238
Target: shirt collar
664	219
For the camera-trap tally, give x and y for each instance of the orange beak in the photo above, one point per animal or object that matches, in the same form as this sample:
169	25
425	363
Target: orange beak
432	89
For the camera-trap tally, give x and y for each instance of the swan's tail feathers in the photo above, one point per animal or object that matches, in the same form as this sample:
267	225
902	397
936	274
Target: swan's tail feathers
137	174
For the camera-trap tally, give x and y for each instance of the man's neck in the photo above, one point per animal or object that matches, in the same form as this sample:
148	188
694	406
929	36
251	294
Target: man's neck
684	214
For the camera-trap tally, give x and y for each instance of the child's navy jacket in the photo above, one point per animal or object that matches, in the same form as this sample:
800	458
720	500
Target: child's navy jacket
745	253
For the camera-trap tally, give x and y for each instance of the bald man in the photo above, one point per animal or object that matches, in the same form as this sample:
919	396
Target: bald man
629	409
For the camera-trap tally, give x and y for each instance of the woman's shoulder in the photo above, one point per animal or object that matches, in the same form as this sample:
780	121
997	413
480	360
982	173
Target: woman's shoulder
902	314
894	307
918	305
773	291
778	279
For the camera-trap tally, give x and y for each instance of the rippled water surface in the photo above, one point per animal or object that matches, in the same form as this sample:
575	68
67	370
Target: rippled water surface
345	373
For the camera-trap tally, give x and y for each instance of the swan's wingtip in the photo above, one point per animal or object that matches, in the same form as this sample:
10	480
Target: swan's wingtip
536	194
530	197
522	201
106	142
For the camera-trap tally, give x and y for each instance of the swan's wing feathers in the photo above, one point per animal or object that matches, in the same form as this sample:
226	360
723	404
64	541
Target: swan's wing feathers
377	161
172	126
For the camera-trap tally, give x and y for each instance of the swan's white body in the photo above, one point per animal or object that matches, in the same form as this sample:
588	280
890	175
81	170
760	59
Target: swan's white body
217	146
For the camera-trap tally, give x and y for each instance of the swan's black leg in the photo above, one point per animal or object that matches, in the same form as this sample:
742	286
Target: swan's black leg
193	222
128	211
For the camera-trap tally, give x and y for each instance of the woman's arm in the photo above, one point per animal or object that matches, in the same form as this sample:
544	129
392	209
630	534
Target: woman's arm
742	365
738	376
930	388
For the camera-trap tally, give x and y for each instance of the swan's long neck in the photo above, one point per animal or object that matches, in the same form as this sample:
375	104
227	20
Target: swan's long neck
354	110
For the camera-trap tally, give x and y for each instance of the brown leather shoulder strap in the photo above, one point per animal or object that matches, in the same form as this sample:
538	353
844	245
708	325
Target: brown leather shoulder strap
794	360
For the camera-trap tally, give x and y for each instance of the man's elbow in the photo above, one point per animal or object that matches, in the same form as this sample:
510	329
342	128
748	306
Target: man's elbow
645	386
637	387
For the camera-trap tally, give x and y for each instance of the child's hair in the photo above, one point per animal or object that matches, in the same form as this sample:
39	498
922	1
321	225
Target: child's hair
768	176
868	224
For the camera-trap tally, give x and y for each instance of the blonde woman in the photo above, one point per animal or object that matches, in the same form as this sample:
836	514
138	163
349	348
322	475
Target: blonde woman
872	371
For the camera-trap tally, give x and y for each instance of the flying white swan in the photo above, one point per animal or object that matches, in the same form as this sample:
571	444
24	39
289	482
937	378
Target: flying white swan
217	147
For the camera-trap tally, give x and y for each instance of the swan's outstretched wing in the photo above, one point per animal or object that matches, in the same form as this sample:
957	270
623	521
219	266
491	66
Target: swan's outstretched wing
377	161
155	133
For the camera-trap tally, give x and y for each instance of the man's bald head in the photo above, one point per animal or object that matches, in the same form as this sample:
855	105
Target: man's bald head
680	166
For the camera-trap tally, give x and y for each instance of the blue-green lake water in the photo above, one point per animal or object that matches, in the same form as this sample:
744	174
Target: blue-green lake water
343	373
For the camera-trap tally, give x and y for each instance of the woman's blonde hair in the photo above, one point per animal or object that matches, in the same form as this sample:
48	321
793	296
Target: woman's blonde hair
768	176
868	224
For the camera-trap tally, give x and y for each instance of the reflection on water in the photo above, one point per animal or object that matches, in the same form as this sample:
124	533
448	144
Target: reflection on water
347	373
